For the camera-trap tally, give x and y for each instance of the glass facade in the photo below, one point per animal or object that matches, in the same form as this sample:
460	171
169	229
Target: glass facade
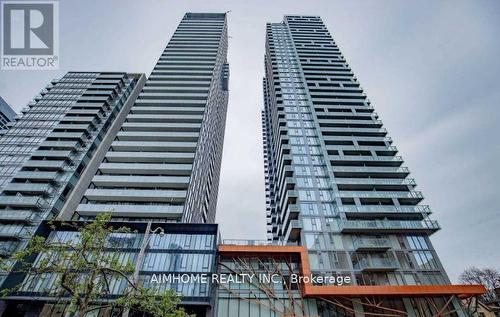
44	153
164	163
149	152
7	115
179	249
159	163
260	297
334	182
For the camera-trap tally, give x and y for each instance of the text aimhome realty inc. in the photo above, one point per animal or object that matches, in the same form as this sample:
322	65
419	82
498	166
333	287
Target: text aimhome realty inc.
248	278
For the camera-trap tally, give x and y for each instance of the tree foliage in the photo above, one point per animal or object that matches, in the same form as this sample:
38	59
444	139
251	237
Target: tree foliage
488	277
83	272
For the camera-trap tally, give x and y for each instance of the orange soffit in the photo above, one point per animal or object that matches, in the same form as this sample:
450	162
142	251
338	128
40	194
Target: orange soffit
309	290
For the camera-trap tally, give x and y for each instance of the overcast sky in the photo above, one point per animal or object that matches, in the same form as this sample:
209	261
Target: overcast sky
430	68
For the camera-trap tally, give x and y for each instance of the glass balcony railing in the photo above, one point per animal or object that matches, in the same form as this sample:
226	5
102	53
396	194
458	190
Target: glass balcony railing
22	201
382	194
376	264
389	226
21	216
372	169
371	244
367	158
293	231
363	129
385	209
28	187
13	231
47	176
256	242
375	181
6	250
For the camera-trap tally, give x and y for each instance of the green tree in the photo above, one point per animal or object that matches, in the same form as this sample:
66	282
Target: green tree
82	271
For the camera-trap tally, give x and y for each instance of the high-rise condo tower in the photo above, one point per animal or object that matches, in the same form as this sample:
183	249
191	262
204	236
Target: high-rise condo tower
334	181
45	152
164	162
147	151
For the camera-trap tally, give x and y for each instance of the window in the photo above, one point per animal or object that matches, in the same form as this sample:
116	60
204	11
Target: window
315	241
309	209
312	224
307	195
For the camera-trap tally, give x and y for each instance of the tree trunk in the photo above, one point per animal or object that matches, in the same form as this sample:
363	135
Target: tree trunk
82	310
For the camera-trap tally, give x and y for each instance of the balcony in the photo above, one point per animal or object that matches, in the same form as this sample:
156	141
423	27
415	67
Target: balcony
372	170
351	122
291	213
60	144
150	126
356	138
68	135
39	176
371	131
293	231
25	216
255	242
153	146
366	158
371	244
164	117
144	195
382	194
52	154
389	226
53	165
410	197
158	136
376	265
290	198
76	127
141	157
7	249
146	168
22	201
131	210
32	188
376	181
170	182
381	210
13	232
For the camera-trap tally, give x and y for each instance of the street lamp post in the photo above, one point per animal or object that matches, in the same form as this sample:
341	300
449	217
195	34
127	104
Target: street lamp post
140	257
